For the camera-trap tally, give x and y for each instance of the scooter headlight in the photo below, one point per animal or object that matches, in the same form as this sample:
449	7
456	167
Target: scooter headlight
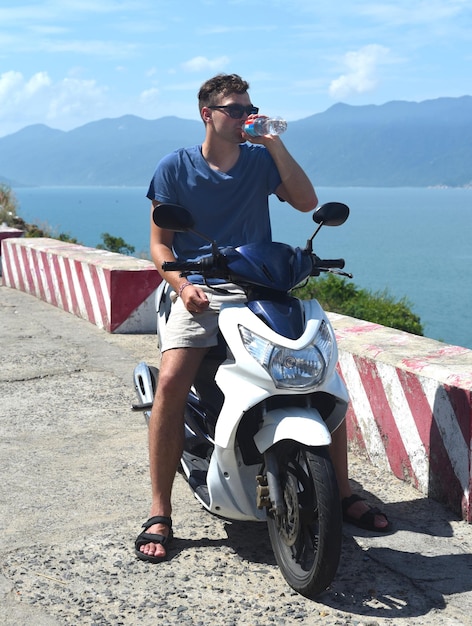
288	368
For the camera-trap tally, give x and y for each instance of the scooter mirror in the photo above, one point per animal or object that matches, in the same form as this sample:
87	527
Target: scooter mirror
331	214
172	217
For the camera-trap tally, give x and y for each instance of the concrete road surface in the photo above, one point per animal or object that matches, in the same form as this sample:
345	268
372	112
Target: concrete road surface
74	491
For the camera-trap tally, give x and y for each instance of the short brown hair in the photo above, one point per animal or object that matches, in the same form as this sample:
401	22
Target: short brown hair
220	85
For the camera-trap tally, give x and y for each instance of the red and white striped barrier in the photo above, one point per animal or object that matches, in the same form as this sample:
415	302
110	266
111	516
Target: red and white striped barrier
113	291
411	397
411	407
7	232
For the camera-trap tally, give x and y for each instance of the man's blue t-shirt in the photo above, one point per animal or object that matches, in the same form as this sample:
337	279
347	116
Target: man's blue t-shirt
230	207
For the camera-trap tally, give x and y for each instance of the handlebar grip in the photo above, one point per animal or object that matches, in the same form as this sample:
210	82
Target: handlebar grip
330	263
206	265
181	266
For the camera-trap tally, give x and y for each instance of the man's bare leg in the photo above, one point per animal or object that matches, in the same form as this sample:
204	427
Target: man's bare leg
166	432
338	452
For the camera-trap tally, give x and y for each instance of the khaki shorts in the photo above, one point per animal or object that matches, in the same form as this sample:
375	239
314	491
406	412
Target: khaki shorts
198	330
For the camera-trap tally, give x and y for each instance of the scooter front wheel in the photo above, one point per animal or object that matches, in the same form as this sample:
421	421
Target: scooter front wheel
306	537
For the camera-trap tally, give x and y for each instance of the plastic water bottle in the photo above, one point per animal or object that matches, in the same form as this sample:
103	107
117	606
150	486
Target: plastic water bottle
265	126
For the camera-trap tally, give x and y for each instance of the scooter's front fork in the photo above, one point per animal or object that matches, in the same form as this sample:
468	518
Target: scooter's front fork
268	492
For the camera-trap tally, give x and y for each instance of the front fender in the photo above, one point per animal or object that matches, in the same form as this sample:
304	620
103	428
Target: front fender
304	425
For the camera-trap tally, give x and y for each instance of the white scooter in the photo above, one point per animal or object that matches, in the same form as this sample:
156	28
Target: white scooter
259	417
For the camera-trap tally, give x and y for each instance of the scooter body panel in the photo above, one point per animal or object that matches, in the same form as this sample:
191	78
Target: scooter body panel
232	484
294	423
232	487
245	383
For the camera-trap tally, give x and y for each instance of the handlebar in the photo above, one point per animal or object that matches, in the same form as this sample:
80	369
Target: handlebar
329	263
333	266
176	266
215	266
189	266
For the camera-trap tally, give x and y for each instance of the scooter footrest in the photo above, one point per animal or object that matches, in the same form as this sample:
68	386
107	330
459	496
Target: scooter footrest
197	482
197	479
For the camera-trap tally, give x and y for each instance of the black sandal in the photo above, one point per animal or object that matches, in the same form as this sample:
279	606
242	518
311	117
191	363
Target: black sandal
144	538
367	519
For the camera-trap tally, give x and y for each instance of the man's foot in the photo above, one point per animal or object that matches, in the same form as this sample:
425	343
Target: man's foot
150	544
356	511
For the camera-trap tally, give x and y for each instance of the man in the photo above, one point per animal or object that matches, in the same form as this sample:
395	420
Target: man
225	183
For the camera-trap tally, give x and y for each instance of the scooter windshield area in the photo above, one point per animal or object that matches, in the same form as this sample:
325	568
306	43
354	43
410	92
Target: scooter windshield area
272	265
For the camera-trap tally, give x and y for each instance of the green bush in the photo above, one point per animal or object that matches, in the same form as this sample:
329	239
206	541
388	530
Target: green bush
115	244
338	295
8	206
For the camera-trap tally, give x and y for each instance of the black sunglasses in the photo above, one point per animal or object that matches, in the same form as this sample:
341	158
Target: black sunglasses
236	111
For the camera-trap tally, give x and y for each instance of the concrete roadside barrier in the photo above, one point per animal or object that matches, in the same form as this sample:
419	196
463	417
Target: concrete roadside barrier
411	407
411	397
7	232
113	291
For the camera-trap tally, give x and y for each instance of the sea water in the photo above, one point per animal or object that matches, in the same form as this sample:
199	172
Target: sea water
415	243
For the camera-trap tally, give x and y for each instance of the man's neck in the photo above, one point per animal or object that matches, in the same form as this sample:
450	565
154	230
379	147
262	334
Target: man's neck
220	156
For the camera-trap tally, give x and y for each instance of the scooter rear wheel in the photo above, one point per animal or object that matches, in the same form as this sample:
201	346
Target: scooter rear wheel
306	538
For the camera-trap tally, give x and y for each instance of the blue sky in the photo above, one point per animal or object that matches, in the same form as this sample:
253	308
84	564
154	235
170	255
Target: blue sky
68	62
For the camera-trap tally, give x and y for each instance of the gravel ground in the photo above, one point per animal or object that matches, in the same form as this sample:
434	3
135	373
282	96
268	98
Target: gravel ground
75	491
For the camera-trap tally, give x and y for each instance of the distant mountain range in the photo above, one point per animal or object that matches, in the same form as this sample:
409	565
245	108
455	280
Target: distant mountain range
395	144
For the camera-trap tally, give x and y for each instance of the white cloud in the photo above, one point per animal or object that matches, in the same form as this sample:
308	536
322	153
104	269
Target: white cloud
16	91
149	96
60	10
200	64
361	71
70	96
233	29
38	99
419	12
89	47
